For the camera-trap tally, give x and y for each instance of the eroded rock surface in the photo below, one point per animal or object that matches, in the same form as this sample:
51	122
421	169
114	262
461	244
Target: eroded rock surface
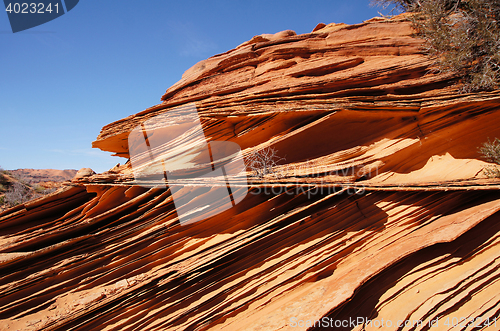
379	209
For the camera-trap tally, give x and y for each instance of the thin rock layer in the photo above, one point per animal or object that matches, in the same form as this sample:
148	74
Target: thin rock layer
379	209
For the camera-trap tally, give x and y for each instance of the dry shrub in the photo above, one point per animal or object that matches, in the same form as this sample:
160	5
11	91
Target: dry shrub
18	193
3	179
3	184
463	36
263	162
491	152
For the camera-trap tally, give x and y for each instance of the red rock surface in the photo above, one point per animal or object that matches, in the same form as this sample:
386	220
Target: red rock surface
352	109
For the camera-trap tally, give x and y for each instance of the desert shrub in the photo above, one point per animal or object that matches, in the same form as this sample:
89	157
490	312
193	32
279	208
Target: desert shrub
2	200
39	189
5	172
49	190
491	152
411	5
18	193
492	172
3	180
3	183
463	36
263	162
28	181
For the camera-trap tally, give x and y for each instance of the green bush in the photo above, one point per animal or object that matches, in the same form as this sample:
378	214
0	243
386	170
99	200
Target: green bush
463	36
491	152
2	200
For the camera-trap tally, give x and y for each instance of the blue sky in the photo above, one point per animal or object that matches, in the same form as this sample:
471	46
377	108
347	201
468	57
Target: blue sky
62	81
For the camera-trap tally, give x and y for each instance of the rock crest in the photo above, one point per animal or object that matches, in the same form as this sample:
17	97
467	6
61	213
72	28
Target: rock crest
380	209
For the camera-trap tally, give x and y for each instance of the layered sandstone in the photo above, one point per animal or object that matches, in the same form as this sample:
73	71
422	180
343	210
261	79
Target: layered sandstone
379	209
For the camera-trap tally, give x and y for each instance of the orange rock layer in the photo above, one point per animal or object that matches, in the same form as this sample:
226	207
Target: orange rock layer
380	210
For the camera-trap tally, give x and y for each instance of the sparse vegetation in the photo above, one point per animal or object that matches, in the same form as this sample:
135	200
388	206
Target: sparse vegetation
18	193
3	187
39	189
3	180
263	162
491	152
17	190
462	35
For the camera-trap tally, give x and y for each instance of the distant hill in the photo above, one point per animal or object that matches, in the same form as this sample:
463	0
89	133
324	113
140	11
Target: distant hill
21	185
36	176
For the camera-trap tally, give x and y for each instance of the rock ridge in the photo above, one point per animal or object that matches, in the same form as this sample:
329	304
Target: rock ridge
379	207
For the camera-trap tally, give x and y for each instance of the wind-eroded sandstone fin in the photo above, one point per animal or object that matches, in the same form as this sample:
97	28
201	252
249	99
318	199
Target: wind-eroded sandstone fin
378	208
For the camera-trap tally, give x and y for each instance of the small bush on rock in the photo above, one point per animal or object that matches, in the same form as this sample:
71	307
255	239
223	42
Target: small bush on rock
463	36
263	162
18	193
491	152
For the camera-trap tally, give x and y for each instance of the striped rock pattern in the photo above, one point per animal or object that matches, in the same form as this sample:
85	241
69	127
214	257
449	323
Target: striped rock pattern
379	211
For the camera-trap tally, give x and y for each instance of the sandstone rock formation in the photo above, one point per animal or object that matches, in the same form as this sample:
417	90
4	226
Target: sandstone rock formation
82	173
380	211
